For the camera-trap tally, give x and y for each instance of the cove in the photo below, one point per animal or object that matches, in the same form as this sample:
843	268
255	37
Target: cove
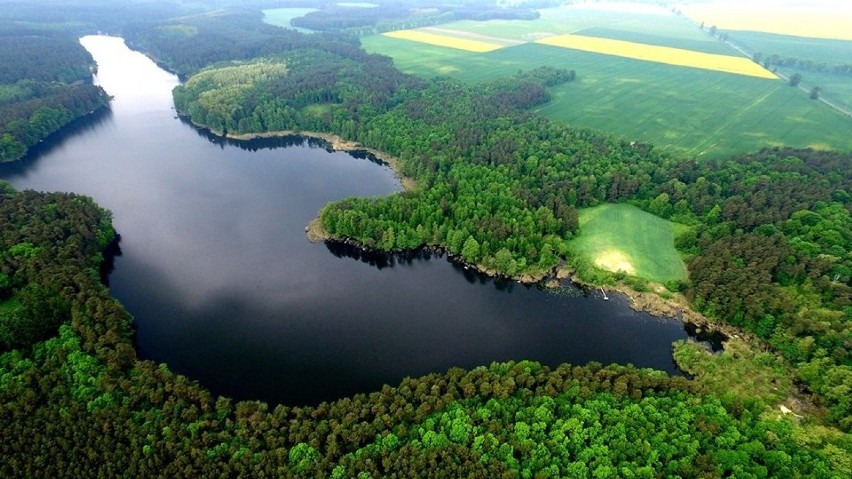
225	288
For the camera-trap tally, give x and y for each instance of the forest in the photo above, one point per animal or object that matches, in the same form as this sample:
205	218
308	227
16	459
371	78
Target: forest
496	186
45	83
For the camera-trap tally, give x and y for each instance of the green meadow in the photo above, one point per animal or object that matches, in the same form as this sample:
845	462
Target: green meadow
622	237
664	105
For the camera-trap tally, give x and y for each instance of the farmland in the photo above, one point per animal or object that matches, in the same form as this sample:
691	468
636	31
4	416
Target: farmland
618	237
447	41
819	56
654	53
633	99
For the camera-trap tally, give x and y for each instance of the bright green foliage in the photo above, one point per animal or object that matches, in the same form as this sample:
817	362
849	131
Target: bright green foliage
621	433
642	240
219	91
301	456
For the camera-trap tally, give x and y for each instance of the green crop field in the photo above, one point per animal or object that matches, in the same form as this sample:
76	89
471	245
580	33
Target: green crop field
837	88
685	111
622	237
649	102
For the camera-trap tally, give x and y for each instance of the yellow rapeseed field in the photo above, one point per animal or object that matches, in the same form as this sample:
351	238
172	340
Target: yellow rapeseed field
653	53
802	20
444	41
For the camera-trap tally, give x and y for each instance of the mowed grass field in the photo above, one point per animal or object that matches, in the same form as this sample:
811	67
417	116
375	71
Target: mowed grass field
622	237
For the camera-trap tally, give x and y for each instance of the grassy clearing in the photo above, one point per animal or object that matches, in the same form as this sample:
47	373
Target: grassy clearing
654	53
281	17
816	21
447	41
622	237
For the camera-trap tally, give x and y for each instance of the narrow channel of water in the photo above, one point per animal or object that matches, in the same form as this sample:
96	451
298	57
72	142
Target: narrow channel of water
225	288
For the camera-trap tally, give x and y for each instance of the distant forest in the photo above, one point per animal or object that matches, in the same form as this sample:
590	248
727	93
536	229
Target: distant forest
497	186
45	83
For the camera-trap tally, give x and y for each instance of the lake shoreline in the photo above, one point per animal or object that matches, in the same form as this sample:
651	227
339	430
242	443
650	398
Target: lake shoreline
647	302
335	142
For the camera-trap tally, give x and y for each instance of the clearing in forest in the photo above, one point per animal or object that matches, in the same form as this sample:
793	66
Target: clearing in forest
448	41
659	54
619	237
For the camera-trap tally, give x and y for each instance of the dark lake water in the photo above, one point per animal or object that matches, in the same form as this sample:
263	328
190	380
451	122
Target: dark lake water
225	288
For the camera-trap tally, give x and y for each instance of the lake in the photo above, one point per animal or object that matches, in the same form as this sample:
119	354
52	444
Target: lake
224	287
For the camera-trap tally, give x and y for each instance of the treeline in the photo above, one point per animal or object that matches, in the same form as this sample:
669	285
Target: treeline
386	15
45	83
803	64
186	45
82	404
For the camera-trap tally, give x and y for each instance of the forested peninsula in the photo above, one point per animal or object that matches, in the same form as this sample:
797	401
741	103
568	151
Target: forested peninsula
498	186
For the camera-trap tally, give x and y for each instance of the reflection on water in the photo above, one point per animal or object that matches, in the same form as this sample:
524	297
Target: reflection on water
214	264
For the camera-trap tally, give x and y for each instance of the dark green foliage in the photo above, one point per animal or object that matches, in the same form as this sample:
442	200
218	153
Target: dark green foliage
44	57
191	43
45	237
45	84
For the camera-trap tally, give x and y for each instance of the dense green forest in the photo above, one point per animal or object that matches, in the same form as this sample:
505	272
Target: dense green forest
496	186
45	83
81	403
